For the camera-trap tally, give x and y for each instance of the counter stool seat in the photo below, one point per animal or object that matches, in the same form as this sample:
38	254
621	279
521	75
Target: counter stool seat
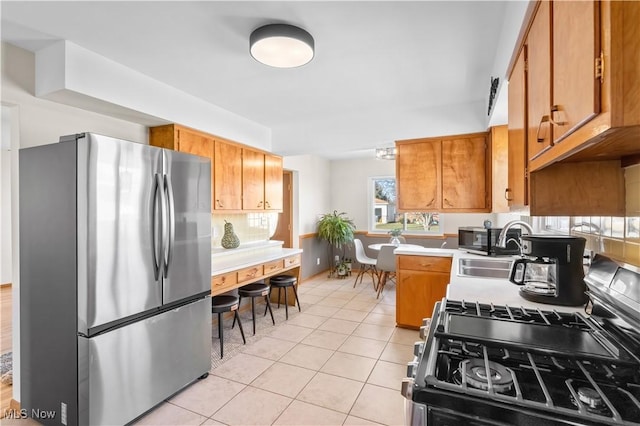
220	305
253	290
284	281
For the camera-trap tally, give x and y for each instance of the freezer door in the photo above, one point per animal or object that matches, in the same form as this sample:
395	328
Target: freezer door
187	256
127	371
117	198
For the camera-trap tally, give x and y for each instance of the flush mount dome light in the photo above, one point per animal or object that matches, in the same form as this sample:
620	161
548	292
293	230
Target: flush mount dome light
281	46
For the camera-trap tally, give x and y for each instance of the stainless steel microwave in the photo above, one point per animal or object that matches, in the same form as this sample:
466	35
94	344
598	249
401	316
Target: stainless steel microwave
483	241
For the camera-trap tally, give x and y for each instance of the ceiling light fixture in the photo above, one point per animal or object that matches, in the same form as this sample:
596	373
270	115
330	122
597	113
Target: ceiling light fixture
281	46
386	153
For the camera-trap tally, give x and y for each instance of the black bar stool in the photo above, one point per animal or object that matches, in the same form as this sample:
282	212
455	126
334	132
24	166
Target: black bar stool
253	290
220	305
284	281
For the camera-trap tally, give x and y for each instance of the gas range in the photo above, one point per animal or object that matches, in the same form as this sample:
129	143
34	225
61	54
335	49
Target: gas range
545	367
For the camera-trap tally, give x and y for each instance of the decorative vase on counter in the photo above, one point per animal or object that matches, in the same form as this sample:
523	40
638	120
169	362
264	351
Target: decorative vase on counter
395	241
229	240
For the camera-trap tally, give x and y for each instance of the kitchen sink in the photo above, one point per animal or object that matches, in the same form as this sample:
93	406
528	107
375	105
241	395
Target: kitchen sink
484	268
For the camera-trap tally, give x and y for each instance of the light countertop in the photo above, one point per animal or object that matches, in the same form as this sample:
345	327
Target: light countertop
245	258
426	251
483	290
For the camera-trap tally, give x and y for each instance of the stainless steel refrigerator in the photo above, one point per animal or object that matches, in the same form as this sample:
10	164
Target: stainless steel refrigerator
115	271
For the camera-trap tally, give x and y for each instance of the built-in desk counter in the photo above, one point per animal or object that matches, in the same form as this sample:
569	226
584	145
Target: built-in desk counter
231	270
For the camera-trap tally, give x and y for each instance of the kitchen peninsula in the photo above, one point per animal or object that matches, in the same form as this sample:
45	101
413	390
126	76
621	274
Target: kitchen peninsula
234	268
426	275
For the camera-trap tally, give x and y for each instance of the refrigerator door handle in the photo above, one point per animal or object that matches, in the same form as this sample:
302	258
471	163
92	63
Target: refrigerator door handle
155	232
172	223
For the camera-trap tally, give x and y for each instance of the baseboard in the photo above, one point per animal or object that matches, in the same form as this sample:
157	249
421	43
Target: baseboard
313	276
12	412
14	405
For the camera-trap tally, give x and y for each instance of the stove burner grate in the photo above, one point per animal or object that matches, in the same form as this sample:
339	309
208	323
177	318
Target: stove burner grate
475	374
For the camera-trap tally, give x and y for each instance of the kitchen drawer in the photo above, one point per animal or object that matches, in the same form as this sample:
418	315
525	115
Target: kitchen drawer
292	261
425	263
273	267
249	274
222	283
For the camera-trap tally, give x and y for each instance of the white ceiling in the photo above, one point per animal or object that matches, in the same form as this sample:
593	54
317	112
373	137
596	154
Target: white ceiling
382	70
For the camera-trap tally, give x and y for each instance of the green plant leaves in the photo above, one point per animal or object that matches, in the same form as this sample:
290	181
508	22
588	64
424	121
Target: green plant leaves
336	228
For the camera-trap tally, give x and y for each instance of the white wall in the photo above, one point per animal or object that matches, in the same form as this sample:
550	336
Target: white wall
5	197
312	195
349	186
43	121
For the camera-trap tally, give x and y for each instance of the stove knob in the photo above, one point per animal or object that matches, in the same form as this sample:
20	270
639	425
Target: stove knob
418	347
407	387
411	368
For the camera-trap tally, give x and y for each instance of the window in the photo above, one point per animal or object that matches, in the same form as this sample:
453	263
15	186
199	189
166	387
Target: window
383	215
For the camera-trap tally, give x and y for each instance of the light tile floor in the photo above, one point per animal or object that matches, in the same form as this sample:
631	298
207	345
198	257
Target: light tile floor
338	362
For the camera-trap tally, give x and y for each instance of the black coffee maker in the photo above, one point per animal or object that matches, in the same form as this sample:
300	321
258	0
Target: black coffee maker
551	271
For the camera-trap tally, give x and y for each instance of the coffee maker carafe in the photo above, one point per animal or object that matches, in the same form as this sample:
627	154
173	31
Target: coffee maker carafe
551	270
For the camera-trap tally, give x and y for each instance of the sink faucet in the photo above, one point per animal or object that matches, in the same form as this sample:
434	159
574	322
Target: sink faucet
502	238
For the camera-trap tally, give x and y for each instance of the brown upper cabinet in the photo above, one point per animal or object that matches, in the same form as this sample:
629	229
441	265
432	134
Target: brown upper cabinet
579	64
227	176
447	174
517	191
539	82
261	181
243	178
582	68
273	196
499	169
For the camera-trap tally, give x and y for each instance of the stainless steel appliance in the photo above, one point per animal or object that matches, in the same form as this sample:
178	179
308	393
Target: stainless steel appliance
115	270
551	270
484	241
482	364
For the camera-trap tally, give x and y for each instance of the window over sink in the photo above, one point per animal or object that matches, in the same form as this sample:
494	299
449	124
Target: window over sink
383	215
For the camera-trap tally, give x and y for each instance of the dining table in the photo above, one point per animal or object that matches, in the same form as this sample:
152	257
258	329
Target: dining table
378	246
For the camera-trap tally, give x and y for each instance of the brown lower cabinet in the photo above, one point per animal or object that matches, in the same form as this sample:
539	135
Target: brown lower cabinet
421	282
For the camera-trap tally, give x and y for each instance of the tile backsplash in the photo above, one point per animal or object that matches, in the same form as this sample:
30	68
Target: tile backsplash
249	227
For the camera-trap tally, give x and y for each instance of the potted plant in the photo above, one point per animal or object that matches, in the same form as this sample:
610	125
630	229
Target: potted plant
395	233
337	229
348	263
341	270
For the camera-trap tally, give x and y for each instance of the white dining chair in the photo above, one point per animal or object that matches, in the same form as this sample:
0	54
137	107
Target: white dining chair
386	266
367	264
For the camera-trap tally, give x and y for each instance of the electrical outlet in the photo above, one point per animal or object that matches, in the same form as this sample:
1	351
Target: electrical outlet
318	261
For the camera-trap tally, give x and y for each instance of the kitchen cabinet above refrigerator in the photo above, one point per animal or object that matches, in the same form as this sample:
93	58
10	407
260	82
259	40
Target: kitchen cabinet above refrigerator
243	179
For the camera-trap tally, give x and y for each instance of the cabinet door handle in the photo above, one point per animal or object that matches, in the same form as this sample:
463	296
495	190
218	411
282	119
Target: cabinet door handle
267	204
430	203
260	204
554	109
219	204
544	119
448	202
507	191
